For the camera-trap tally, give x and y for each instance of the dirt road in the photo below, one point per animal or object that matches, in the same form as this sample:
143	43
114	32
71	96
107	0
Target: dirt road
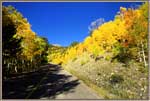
49	82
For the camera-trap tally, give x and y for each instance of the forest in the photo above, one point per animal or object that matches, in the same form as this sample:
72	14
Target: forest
112	60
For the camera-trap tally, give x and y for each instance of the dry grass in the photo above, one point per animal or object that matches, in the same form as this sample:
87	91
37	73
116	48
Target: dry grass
112	80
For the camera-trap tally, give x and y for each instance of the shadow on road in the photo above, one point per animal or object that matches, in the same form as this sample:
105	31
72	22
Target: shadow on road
46	82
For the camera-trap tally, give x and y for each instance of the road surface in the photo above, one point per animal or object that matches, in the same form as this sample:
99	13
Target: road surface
49	82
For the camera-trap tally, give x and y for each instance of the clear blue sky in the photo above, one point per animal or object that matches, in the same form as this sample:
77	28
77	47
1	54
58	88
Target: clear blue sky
62	23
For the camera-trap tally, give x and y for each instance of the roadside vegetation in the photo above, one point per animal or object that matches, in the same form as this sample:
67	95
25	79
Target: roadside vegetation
111	80
113	59
22	49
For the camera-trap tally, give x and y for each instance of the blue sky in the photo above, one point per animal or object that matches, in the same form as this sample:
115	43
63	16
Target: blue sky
64	22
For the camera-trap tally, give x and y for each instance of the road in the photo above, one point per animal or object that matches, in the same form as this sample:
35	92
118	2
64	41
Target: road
49	82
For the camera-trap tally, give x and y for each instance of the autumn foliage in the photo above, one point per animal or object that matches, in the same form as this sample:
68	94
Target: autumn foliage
114	56
124	38
23	50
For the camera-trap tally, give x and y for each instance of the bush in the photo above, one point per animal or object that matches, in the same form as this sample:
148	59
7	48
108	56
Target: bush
142	69
116	78
83	62
108	58
122	83
74	59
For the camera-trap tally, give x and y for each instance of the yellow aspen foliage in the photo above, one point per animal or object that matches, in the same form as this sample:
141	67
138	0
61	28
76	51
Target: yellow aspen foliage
123	9
114	37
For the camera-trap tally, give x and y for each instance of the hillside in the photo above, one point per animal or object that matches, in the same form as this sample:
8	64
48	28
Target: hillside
112	59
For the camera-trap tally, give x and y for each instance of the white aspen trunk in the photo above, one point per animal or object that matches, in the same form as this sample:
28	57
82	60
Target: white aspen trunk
16	69
15	64
143	53
8	65
31	65
140	59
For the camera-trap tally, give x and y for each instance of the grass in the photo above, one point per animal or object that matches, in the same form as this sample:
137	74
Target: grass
100	91
111	80
83	62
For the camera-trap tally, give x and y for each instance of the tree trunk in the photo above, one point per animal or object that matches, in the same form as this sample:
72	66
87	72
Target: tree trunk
140	59
16	69
143	53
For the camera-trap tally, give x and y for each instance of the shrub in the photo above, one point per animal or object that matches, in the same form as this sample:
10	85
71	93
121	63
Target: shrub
116	78
83	62
74	59
142	69
108	58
